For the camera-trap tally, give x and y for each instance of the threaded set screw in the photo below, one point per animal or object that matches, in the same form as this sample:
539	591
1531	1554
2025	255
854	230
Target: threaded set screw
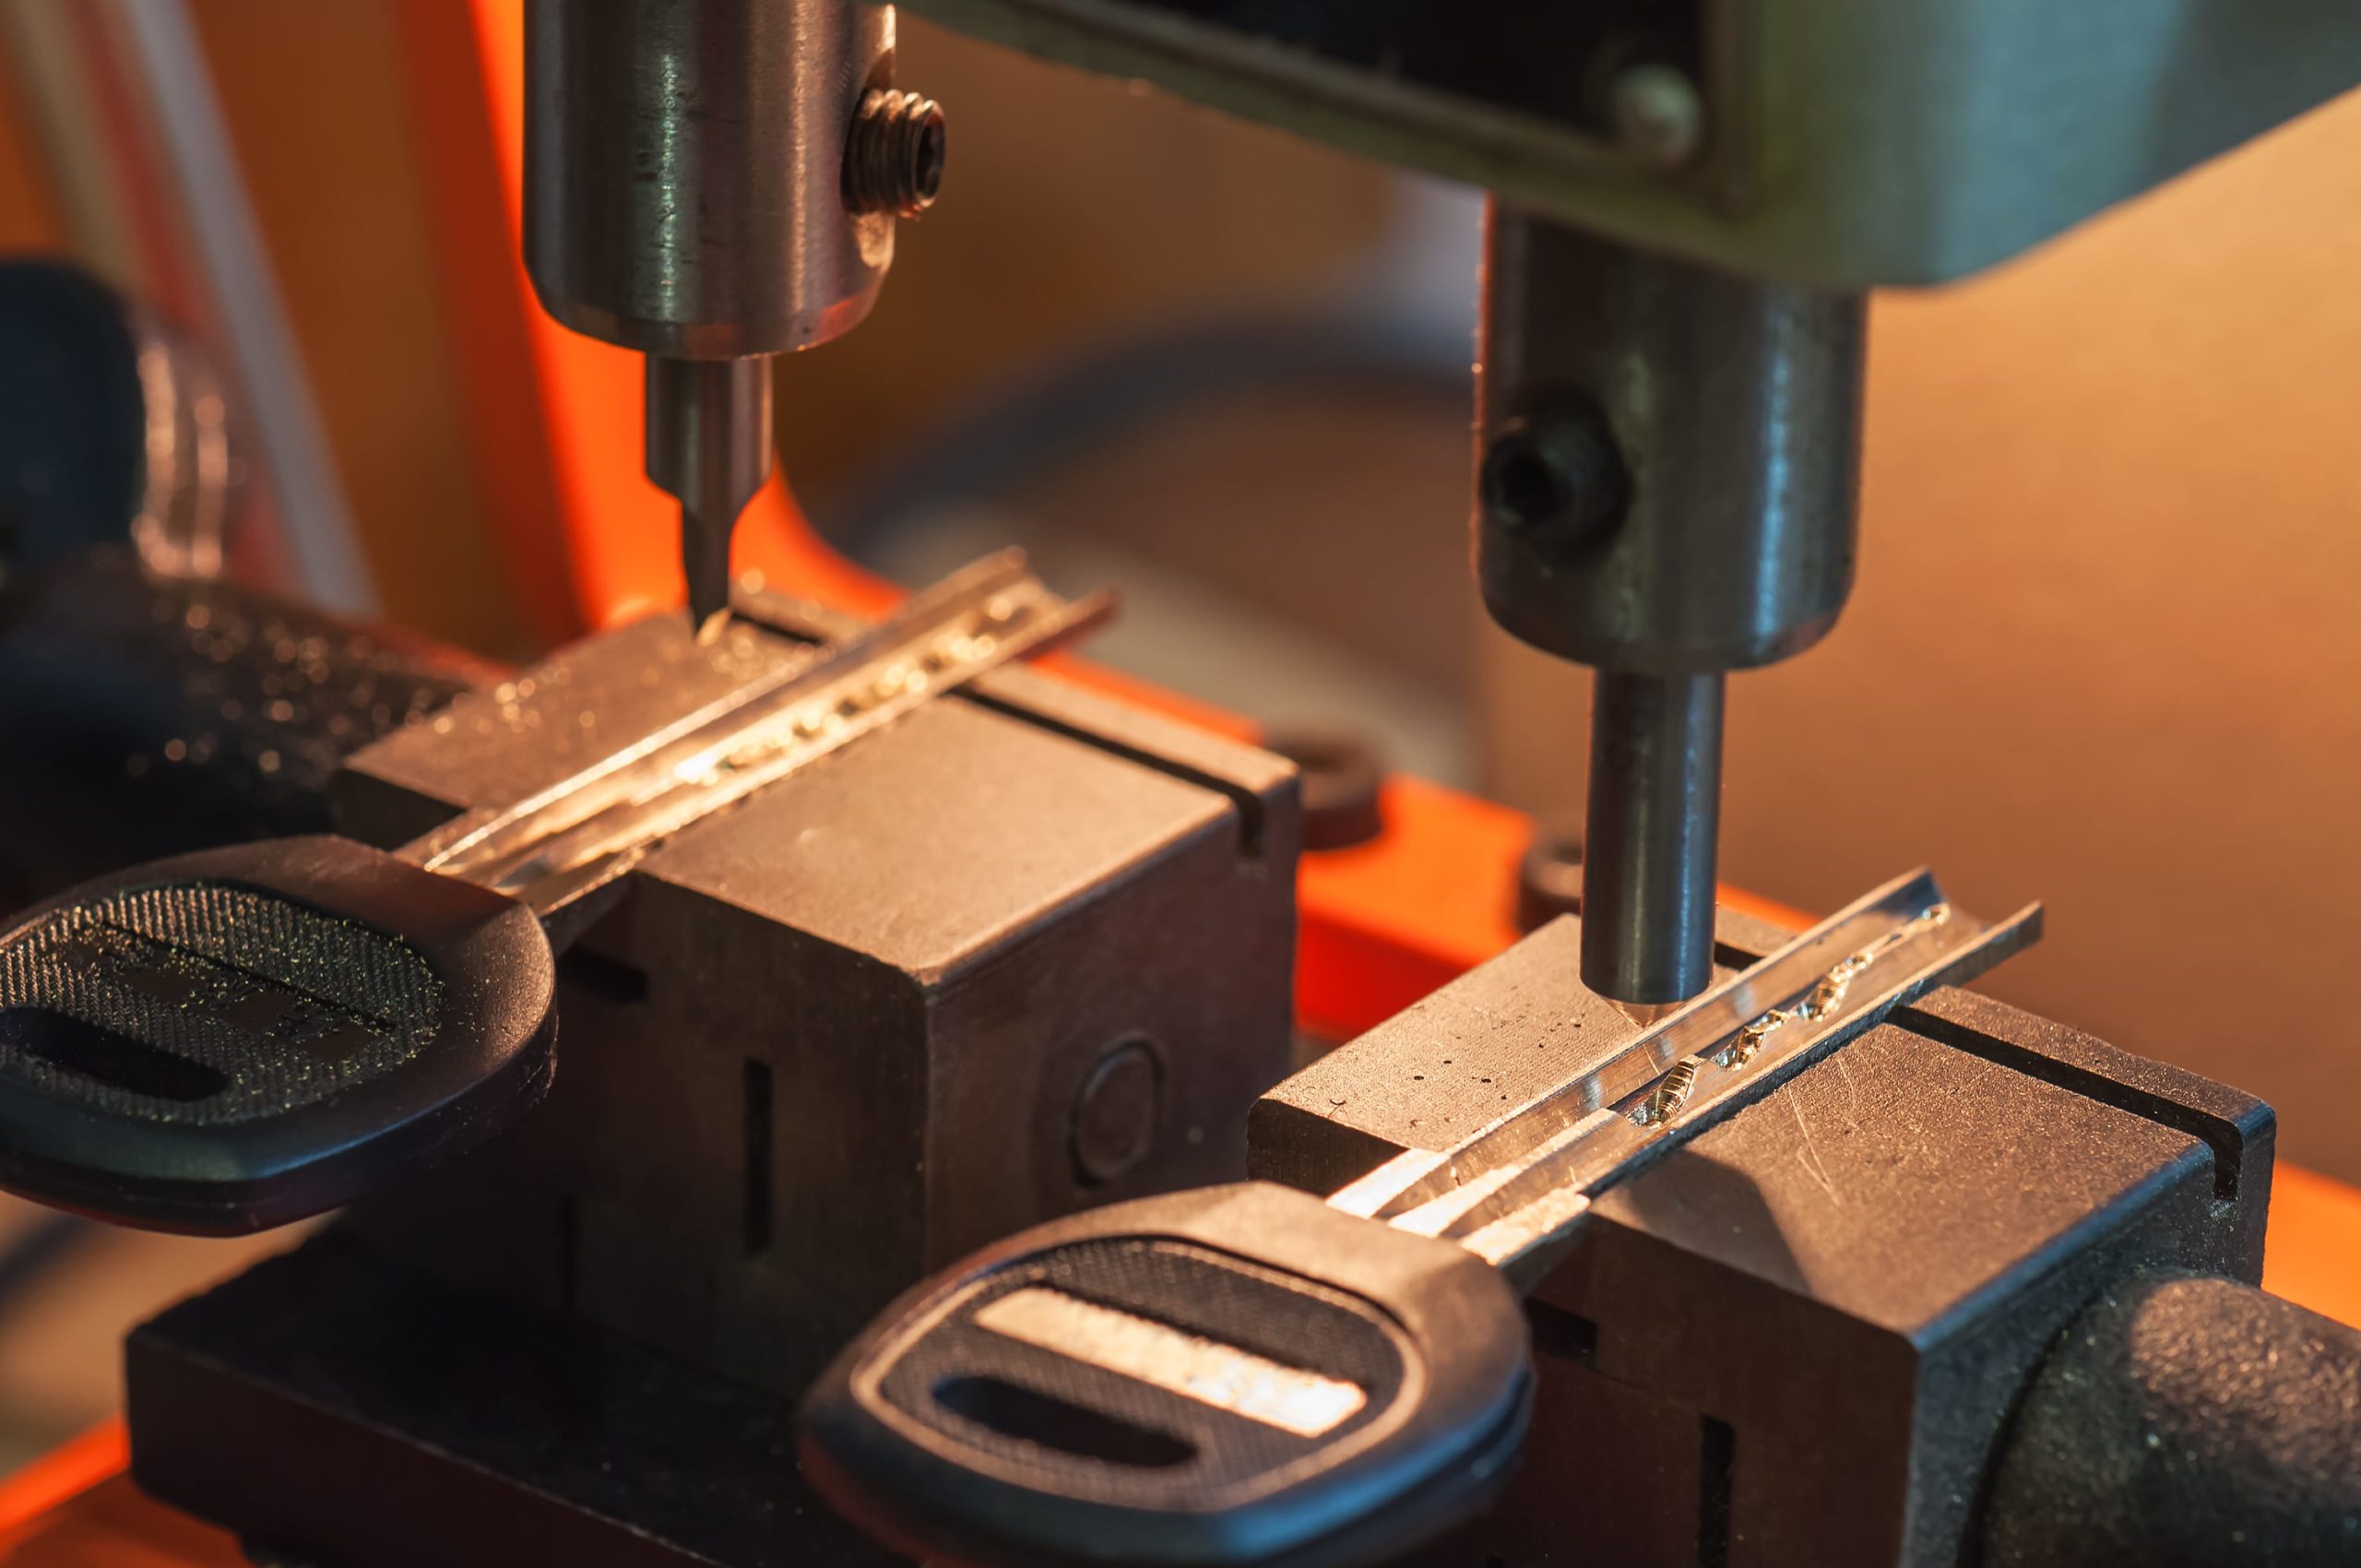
894	154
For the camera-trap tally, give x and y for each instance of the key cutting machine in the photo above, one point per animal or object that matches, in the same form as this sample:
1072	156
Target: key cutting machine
711	1012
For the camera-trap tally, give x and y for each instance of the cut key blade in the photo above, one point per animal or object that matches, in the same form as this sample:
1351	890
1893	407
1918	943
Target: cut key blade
558	846
1513	1191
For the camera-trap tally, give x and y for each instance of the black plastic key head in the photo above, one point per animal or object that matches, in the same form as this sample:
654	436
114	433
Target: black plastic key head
1235	1375
241	1037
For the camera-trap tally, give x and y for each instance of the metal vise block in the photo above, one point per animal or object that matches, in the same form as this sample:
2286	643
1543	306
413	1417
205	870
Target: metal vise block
1797	1339
1024	951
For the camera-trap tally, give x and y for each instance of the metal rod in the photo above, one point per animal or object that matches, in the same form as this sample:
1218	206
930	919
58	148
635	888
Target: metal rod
1667	493
687	195
1648	858
709	447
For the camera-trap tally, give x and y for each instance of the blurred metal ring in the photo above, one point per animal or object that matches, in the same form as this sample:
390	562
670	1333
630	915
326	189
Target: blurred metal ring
192	471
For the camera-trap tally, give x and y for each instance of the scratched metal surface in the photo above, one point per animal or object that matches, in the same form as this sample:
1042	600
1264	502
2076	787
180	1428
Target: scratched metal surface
1489	1044
1800	1332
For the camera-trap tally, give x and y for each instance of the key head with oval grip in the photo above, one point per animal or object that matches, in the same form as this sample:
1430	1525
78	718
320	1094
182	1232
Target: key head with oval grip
236	1038
1233	1375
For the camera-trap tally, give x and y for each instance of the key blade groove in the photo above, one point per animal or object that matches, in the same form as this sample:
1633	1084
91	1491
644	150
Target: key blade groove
1522	1224
580	861
469	845
560	847
1777	981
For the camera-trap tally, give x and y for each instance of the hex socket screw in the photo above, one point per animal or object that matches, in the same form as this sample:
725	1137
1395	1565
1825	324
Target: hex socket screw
894	154
1551	473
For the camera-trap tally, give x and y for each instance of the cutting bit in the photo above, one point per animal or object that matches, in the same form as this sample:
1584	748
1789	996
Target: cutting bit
709	447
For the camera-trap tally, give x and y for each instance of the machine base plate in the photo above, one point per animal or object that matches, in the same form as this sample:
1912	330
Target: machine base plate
333	1408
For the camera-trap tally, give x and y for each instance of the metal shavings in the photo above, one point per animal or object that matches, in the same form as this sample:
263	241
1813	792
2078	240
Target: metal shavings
1826	996
955	646
1748	1040
1671	1093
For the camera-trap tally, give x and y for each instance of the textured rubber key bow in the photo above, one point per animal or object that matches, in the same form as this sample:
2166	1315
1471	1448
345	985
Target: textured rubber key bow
1237	1374
1255	1375
252	1035
237	1039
